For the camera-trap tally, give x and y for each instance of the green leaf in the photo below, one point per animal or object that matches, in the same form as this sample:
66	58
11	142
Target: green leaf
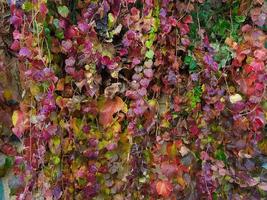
82	181
56	160
215	196
220	155
102	144
195	96
27	6
193	66
148	156
191	62
240	18
111	20
109	154
47	32
9	162
187	60
56	23
63	11
149	44
37	27
150	54
60	35
56	141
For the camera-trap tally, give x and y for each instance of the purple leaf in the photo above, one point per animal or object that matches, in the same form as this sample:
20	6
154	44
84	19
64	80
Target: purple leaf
25	52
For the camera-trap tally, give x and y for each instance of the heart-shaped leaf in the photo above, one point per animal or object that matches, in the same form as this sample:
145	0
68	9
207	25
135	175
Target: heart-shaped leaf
164	188
63	11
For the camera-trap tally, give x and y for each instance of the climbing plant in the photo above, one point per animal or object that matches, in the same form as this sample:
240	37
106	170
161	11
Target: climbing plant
140	99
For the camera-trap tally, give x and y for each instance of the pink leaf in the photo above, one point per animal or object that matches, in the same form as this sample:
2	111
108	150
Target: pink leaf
263	186
260	54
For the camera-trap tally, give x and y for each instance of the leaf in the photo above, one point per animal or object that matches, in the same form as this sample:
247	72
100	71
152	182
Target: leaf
150	54
244	6
25	52
264	165
168	170
191	62
6	163
2	193
17	117
240	18
184	151
263	186
235	98
110	107
220	155
59	34
263	146
63	11
111	20
149	44
56	160
56	23
27	6
164	188
111	90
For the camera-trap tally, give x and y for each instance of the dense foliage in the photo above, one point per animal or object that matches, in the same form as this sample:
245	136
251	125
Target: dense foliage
140	99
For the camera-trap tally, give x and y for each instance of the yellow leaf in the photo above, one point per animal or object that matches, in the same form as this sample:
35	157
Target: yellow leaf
35	90
15	117
263	146
7	95
181	181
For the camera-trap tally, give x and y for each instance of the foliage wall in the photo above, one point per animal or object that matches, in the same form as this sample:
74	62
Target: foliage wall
139	99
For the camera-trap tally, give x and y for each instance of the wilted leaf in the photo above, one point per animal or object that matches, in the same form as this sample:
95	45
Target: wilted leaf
111	90
184	150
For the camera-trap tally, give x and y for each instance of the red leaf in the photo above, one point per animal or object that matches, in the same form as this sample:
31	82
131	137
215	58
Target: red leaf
188	19
164	188
111	106
194	130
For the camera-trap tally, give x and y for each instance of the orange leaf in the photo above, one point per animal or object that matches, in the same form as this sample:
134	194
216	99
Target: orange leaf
60	84
110	107
164	188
